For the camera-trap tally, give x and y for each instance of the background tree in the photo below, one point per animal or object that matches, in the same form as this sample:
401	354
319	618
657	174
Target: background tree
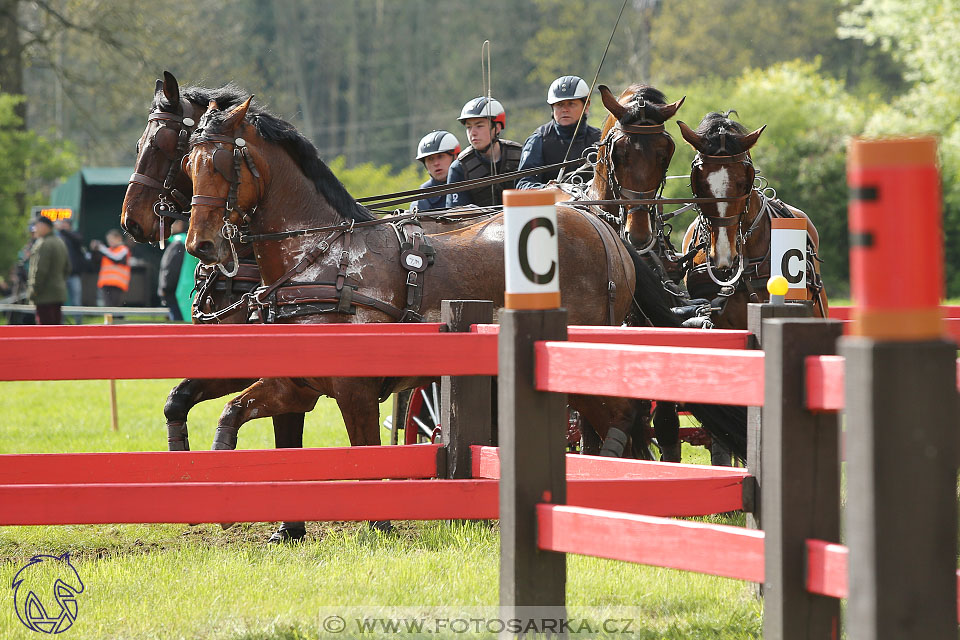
915	33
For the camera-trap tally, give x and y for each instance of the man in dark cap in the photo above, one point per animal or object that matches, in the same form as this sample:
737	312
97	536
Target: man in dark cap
47	276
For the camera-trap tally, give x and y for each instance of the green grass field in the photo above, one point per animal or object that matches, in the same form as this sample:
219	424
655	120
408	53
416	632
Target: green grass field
178	581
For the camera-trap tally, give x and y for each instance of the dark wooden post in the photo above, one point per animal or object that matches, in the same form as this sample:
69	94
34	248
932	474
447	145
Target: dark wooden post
901	513
532	465
756	314
901	399
800	480
465	401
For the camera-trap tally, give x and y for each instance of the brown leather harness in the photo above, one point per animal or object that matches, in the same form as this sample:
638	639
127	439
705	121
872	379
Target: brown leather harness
286	298
171	202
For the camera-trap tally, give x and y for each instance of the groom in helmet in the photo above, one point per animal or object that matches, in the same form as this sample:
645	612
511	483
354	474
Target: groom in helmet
436	150
569	99
488	154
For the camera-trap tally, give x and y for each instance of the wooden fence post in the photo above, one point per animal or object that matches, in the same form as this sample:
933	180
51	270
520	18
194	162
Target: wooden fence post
532	464
756	314
901	399
800	480
465	401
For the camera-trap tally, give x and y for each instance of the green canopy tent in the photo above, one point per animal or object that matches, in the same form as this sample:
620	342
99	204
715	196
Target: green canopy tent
95	194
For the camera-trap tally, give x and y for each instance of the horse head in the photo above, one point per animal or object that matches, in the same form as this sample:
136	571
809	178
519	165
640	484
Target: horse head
634	154
226	169
158	191
722	169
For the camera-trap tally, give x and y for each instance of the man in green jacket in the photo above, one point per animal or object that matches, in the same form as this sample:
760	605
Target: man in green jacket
47	277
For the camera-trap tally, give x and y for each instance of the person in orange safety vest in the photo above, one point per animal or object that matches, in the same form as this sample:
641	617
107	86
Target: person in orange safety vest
114	278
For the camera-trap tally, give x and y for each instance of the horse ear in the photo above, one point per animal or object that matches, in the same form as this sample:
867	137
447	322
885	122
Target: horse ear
236	116
171	89
159	86
616	109
690	136
667	111
751	138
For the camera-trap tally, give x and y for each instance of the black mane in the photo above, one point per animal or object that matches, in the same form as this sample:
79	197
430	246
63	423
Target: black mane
300	150
637	110
226	97
709	131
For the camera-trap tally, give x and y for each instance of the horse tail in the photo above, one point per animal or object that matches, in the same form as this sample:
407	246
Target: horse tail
649	296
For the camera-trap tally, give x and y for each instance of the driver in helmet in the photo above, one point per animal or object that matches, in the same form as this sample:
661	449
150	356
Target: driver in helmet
569	99
436	151
488	154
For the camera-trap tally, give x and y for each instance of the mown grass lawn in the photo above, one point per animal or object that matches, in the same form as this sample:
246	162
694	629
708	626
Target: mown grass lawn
178	581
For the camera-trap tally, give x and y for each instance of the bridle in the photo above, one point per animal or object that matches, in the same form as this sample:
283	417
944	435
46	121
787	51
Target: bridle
616	133
228	164
709	223
171	202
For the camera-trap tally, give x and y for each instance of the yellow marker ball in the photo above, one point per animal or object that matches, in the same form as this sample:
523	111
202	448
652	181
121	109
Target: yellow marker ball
778	286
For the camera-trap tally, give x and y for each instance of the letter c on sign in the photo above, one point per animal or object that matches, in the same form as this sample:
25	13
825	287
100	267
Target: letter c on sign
537	278
792	278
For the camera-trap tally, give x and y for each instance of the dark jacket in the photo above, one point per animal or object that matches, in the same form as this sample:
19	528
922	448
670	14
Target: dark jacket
426	204
472	164
49	268
170	265
79	259
548	145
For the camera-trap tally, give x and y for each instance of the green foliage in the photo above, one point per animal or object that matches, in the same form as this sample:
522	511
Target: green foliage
368	179
29	164
801	153
914	33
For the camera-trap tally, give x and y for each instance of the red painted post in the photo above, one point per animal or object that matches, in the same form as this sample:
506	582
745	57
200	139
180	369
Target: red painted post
901	400
896	252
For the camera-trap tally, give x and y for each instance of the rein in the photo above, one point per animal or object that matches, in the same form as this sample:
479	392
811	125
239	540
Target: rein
455	187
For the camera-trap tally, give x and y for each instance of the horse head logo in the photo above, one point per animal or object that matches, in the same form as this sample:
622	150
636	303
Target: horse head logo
45	593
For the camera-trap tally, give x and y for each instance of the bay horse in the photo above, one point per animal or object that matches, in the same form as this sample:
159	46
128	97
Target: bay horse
260	175
632	161
732	262
158	192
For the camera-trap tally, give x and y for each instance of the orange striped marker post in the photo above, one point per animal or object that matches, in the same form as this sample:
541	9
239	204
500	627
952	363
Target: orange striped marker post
531	249
532	441
788	255
901	399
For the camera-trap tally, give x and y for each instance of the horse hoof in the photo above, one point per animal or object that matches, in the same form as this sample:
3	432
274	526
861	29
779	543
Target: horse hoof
383	526
287	536
226	525
670	453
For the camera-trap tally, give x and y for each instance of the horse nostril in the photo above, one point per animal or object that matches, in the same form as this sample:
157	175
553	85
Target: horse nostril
134	229
205	251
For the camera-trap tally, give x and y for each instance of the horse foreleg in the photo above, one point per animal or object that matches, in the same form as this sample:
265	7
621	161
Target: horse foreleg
288	434
187	395
666	426
611	418
358	399
265	398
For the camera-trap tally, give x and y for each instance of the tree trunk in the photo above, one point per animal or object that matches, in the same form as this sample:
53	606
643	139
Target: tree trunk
11	55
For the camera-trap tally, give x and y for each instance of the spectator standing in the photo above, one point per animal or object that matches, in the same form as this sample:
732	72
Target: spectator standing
170	266
114	278
79	259
569	100
47	274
